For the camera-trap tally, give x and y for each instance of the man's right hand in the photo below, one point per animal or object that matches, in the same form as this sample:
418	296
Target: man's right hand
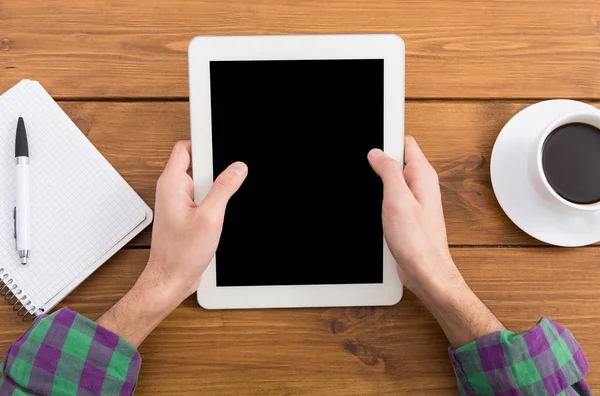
413	219
413	224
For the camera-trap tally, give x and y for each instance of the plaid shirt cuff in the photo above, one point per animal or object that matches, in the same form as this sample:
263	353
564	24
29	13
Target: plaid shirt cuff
545	360
67	354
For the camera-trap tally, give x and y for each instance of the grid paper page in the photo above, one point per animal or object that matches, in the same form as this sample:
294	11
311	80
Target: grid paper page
80	206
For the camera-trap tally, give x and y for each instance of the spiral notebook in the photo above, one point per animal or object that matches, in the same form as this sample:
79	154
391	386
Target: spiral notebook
82	210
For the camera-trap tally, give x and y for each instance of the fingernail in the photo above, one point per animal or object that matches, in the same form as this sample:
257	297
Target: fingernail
239	168
375	153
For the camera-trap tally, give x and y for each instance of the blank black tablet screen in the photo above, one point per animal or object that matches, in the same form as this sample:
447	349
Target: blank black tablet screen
309	212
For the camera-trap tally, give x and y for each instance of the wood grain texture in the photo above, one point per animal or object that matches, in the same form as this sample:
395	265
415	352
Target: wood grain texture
348	351
455	48
456	136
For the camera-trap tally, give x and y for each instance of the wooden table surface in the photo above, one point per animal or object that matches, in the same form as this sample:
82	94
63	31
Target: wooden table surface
119	69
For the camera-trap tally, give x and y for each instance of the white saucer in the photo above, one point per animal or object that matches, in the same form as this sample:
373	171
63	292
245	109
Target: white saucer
514	185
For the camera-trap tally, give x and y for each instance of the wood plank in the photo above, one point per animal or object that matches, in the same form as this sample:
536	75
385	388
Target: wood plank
455	48
349	351
456	136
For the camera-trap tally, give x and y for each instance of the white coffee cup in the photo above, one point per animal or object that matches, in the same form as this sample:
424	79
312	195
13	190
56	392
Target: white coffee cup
539	176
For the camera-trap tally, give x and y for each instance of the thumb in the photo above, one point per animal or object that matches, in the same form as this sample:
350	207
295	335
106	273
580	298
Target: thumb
390	172
228	182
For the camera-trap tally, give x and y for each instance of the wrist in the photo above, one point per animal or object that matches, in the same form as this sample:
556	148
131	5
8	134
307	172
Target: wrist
163	293
437	279
442	289
146	304
461	314
441	295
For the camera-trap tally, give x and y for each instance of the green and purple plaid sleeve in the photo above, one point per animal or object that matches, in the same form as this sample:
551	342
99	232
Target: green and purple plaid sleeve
545	360
68	354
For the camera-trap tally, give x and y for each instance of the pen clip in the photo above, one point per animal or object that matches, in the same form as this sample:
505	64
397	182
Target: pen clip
15	224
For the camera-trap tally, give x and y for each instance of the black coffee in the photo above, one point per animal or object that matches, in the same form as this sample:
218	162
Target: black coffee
571	162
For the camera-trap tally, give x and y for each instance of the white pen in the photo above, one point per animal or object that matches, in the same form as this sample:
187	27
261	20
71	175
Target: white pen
22	213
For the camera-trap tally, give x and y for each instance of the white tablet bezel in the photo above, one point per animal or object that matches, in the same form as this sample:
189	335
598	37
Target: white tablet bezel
202	50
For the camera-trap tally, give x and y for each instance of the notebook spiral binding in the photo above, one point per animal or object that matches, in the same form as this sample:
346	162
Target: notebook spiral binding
15	297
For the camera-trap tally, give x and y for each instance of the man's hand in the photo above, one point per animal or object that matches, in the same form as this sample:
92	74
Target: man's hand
185	235
413	219
413	224
184	240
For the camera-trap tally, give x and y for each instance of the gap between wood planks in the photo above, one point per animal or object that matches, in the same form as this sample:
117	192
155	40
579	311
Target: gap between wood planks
414	100
142	247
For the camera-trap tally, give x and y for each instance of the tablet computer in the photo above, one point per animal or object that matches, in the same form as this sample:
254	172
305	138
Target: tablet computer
302	112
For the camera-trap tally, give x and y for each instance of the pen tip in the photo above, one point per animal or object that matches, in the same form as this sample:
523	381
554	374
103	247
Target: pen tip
23	260
21	145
